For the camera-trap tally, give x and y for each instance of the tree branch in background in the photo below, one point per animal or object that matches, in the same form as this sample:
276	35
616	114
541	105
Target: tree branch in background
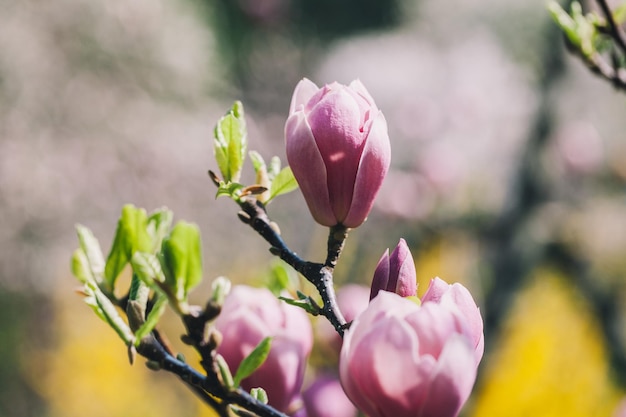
598	40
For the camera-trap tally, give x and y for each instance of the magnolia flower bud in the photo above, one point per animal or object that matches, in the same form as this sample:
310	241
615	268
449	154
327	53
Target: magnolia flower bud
456	296
325	398
248	316
338	149
400	359
395	273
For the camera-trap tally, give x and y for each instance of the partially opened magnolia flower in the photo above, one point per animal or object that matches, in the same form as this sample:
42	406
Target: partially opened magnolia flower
338	148
456	296
248	316
395	273
400	359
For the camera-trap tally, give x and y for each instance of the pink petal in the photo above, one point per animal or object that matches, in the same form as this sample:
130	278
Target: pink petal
381	275
433	325
402	280
335	124
302	94
452	380
373	167
308	167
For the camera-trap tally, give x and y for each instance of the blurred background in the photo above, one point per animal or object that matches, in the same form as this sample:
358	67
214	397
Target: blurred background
508	175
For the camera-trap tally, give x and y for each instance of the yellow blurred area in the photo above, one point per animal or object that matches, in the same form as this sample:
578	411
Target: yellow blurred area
87	373
550	361
453	259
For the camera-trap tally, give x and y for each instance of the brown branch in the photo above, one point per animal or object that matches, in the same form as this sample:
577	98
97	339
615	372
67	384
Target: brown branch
321	275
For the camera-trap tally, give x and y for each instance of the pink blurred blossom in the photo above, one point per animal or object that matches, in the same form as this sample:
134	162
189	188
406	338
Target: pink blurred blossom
325	398
248	316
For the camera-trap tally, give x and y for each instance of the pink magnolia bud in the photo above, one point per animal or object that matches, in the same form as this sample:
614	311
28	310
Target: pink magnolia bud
248	316
338	148
325	398
456	296
400	359
395	273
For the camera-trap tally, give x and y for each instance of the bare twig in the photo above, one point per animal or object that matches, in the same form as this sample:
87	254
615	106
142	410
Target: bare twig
320	275
208	387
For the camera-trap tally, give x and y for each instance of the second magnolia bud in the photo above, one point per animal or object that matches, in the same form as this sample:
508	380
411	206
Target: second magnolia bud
395	273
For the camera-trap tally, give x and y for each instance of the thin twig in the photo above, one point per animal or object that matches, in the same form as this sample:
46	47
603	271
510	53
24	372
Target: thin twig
209	388
320	275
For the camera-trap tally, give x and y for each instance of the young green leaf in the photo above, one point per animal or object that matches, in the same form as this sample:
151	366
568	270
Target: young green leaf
80	267
225	374
182	259
159	224
232	190
230	143
257	161
131	236
283	183
259	394
274	167
153	317
147	267
281	277
93	254
253	361
565	22
104	308
304	302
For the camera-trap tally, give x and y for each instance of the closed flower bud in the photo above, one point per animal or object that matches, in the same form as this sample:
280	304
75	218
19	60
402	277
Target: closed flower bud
395	273
456	296
401	359
338	148
248	316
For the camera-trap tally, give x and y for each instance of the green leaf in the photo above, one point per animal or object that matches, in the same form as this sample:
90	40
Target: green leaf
284	183
259	394
93	254
225	374
131	236
220	289
159	224
230	143
104	308
153	317
182	259
80	267
304	302
147	268
281	277
253	361
274	167
232	190
565	22
257	161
